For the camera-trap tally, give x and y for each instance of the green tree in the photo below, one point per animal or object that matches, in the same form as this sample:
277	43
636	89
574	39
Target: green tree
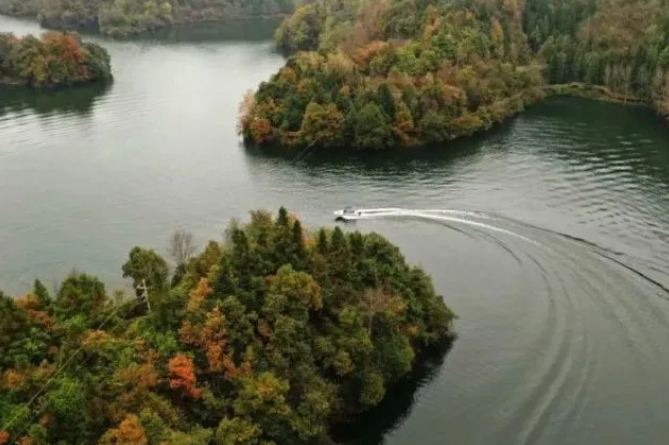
385	99
237	431
41	294
82	295
13	328
298	250
371	130
322	123
322	243
146	265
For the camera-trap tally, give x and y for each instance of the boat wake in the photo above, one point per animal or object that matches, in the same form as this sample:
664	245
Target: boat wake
578	319
492	222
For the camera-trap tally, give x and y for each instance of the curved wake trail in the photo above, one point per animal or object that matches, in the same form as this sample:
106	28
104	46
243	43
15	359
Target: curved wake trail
443	215
595	321
459	216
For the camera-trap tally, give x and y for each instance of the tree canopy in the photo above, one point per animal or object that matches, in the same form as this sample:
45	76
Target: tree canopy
383	73
52	60
272	337
622	45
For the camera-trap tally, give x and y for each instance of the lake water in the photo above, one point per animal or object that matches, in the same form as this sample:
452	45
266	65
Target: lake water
552	243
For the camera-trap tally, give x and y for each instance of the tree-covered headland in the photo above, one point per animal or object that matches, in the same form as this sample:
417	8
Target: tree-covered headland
126	17
383	73
54	59
271	338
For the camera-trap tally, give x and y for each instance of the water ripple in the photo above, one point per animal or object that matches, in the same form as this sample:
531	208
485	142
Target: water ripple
593	301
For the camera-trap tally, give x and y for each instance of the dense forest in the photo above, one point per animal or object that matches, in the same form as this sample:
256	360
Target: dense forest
382	73
57	58
271	337
125	17
622	45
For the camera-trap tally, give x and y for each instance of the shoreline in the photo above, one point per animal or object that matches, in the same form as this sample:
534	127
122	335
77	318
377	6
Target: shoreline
184	18
595	92
25	84
574	89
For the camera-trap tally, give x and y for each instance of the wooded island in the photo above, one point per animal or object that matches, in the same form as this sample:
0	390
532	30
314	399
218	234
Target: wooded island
376	74
271	338
55	59
127	17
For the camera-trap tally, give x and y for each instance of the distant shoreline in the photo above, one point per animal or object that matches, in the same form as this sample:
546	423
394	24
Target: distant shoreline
183	17
594	92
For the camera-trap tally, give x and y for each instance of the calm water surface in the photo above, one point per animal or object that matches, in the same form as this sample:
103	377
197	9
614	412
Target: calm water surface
551	241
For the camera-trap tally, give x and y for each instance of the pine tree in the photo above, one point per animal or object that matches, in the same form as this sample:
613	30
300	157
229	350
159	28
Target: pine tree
322	245
298	250
282	219
385	99
338	241
42	294
281	239
225	283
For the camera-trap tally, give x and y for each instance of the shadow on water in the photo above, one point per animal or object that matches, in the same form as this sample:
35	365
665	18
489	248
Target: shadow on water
572	146
396	161
373	426
76	100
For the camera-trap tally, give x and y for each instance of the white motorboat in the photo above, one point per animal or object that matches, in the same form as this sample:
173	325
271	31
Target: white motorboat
347	214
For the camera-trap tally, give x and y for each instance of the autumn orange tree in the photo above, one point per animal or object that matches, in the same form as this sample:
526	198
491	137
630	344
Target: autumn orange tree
182	376
129	432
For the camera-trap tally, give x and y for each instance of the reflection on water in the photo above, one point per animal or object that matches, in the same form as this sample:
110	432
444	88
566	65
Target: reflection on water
383	165
77	100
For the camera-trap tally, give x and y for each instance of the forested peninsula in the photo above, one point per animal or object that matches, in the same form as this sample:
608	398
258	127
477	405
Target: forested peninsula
271	337
54	59
384	73
120	18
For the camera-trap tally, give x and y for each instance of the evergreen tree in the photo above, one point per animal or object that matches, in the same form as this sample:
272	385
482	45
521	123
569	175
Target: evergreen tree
41	294
226	283
322	245
371	130
13	329
282	218
298	249
281	240
385	99
80	295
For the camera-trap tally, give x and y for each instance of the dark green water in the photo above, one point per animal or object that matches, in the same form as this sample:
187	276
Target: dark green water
562	341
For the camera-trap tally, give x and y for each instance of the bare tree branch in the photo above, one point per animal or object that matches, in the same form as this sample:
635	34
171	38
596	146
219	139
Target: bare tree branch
373	302
182	247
